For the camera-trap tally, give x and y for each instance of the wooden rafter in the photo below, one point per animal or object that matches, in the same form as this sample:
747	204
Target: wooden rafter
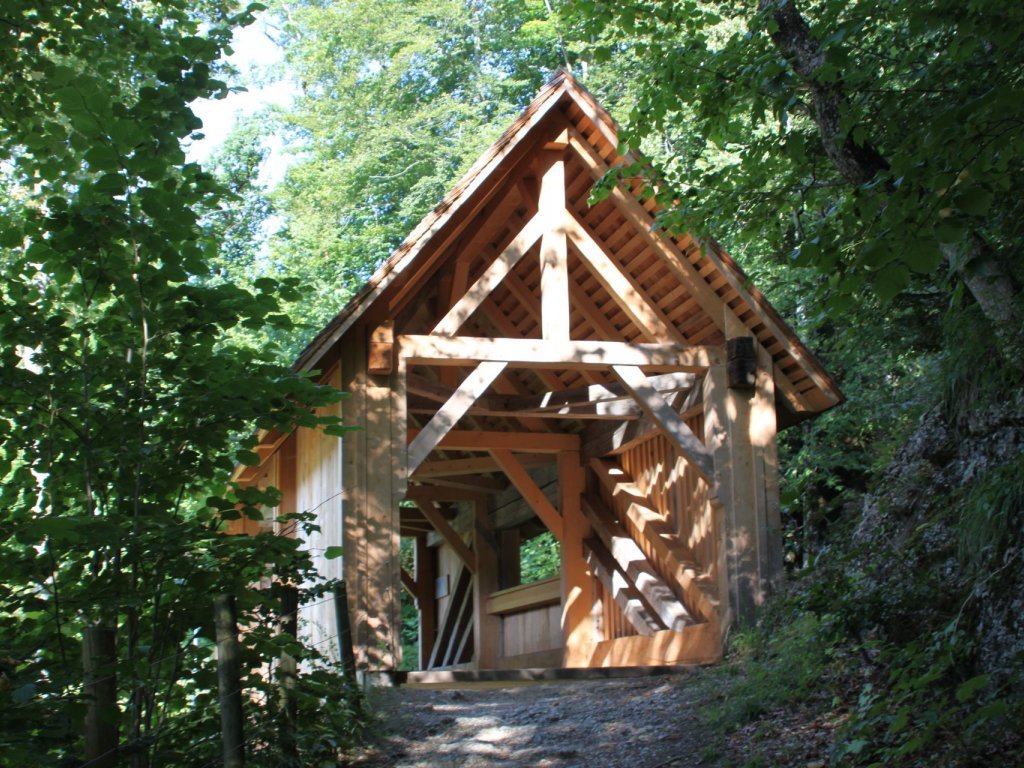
449	325
454	409
529	490
622	287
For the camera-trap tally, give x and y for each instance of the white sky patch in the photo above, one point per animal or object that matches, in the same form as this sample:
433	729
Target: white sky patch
254	53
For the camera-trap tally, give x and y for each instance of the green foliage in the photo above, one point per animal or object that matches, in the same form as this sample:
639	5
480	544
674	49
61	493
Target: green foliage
741	142
928	692
390	115
992	519
539	558
122	392
769	671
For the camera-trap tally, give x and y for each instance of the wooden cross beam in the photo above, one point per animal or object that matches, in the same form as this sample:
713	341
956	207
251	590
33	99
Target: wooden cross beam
449	534
572	355
454	409
449	325
668	421
530	491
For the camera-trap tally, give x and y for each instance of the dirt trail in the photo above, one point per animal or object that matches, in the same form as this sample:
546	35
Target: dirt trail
626	723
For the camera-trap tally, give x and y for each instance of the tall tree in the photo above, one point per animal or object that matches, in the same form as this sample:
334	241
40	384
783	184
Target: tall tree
122	399
397	100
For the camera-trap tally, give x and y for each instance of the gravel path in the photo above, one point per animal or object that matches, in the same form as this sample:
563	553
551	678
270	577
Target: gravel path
643	722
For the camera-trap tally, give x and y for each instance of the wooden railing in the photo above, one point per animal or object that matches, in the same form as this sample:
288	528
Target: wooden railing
525	597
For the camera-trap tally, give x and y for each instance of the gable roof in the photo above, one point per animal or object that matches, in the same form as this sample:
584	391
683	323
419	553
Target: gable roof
694	286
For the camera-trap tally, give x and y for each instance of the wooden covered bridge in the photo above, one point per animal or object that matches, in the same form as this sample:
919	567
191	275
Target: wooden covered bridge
524	362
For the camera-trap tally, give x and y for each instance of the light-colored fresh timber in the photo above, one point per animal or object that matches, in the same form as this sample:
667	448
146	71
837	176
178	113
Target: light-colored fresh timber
604	440
667	420
533	495
646	526
622	287
382	348
698	644
635	565
554	271
487	628
449	534
570	355
625	595
426	604
591	394
409	583
577	580
454	409
678	263
449	325
423	493
473	466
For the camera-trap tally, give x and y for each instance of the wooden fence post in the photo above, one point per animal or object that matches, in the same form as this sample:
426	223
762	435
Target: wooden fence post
348	658
229	683
288	671
99	656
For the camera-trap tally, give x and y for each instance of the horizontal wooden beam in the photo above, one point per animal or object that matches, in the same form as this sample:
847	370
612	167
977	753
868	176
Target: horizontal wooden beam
526	596
605	440
571	355
613	410
420	493
483	440
594	393
472	466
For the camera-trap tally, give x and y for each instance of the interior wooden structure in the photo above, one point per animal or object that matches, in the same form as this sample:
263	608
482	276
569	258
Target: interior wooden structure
527	361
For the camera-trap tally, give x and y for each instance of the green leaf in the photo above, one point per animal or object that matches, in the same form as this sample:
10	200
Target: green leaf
249	458
332	553
969	688
892	279
975	201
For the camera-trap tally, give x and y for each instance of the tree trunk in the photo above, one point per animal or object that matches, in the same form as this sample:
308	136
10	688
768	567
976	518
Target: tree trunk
985	273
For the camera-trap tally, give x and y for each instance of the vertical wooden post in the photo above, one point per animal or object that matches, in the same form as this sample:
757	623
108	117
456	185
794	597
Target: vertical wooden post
229	682
577	580
342	621
287	671
509	559
354	381
554	273
486	628
99	657
739	426
425	599
763	432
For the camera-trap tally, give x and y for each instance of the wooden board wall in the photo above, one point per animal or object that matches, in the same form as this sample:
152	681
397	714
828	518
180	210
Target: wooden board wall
318	489
539	629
